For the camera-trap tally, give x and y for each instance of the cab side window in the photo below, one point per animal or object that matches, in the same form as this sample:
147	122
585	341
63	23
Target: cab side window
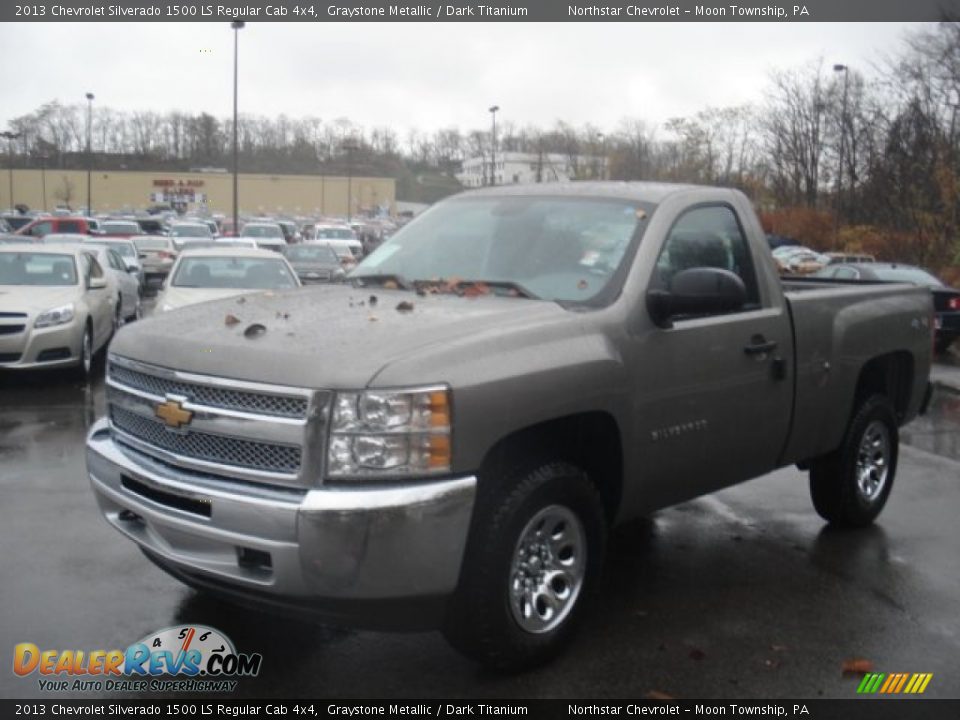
711	237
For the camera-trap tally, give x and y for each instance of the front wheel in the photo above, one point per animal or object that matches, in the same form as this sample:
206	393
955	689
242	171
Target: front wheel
532	559
84	369
850	486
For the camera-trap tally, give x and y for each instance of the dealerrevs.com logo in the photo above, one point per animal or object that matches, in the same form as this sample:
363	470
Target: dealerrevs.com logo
185	658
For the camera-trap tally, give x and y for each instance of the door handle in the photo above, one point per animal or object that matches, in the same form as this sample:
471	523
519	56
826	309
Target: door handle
759	346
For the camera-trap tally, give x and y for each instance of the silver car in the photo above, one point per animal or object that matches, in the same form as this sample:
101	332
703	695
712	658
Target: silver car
55	307
124	283
128	253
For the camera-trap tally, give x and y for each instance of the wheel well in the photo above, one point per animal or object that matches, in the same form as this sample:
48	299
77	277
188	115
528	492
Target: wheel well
590	441
890	375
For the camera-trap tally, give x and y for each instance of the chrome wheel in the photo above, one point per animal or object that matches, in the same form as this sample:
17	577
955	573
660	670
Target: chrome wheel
549	563
873	460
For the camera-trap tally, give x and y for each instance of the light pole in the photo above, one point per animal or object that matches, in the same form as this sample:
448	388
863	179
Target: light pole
43	179
603	156
349	145
237	26
10	137
843	138
89	150
493	145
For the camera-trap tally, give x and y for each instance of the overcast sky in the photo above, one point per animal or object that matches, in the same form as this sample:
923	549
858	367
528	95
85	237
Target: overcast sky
426	76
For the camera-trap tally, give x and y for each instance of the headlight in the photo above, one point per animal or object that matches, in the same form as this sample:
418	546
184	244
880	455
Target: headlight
57	316
390	432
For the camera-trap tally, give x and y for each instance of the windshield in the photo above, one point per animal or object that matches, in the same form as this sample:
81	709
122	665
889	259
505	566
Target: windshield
122	249
120	228
25	268
311	253
563	249
334	234
201	231
907	275
262	231
233	272
151	244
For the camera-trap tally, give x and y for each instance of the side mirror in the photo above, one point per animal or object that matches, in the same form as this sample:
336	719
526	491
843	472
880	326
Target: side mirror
98	283
697	291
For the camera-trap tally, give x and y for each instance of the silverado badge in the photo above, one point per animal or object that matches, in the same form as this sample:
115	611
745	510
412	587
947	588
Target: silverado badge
173	414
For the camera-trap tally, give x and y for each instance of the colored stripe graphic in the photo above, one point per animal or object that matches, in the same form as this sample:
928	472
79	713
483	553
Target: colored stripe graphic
894	683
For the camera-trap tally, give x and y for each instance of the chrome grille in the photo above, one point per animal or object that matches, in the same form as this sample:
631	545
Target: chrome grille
212	448
218	397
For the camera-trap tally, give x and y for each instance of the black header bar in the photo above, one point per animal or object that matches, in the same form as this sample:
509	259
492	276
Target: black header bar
640	11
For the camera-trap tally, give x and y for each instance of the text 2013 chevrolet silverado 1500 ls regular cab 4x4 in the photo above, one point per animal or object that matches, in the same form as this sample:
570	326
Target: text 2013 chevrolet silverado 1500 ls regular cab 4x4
451	453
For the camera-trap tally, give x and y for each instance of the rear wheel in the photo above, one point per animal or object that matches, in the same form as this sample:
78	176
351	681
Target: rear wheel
850	486
532	559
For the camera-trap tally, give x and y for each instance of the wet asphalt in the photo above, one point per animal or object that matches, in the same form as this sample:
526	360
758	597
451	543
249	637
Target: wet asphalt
741	594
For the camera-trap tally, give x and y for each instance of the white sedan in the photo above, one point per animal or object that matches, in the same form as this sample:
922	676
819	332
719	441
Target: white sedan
213	273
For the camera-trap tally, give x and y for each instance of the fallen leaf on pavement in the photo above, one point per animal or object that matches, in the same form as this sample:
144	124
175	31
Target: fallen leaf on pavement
657	695
857	666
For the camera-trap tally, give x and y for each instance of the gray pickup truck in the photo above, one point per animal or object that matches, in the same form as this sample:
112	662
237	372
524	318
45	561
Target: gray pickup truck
446	440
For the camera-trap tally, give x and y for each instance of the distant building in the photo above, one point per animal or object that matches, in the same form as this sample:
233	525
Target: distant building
516	167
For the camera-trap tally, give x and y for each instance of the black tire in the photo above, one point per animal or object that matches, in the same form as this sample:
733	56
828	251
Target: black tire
483	620
118	318
850	486
84	370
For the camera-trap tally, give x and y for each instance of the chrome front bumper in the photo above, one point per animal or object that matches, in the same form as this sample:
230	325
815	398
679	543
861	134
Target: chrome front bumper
286	546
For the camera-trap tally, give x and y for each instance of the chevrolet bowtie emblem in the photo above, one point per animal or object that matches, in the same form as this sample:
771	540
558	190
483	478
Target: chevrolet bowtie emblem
173	414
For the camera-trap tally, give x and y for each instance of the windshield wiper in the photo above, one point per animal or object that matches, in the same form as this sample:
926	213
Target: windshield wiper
383	279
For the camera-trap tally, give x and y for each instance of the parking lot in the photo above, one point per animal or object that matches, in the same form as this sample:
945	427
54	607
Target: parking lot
745	593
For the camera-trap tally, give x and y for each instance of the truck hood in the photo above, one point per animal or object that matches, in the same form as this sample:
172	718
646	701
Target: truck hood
332	336
36	299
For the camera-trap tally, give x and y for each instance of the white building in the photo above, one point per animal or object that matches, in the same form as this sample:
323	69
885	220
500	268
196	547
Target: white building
515	167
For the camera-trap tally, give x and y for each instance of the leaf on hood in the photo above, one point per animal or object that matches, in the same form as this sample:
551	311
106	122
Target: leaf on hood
857	666
373	318
476	290
405	307
231	320
254	331
269	293
372	300
283	316
390	285
582	285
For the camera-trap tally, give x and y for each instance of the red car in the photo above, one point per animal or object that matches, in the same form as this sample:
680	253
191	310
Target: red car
60	225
